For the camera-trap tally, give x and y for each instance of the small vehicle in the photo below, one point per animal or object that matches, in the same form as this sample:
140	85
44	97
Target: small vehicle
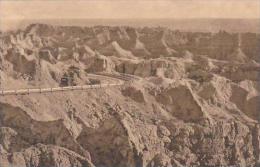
64	82
67	81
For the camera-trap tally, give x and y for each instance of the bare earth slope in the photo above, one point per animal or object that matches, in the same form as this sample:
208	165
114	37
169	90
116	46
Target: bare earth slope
195	102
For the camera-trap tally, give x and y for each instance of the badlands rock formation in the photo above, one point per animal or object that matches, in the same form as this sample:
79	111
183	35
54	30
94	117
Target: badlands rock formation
196	102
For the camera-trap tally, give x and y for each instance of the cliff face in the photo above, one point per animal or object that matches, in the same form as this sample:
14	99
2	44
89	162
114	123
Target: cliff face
196	102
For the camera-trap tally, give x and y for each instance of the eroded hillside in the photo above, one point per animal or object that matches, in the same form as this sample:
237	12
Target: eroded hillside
195	102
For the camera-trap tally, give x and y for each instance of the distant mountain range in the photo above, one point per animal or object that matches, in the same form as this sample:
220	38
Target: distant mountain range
191	25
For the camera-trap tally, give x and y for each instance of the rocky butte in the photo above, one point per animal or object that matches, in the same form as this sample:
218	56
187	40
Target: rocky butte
196	102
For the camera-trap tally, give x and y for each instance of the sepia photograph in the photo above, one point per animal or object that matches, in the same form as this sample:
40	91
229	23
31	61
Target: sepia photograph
129	83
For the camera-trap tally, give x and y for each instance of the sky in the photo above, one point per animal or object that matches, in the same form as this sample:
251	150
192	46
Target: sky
47	9
33	9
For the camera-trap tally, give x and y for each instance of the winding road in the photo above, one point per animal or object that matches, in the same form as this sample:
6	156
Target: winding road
114	80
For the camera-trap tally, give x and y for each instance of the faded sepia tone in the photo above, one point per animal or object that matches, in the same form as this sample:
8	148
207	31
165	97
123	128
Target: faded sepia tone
142	83
13	12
